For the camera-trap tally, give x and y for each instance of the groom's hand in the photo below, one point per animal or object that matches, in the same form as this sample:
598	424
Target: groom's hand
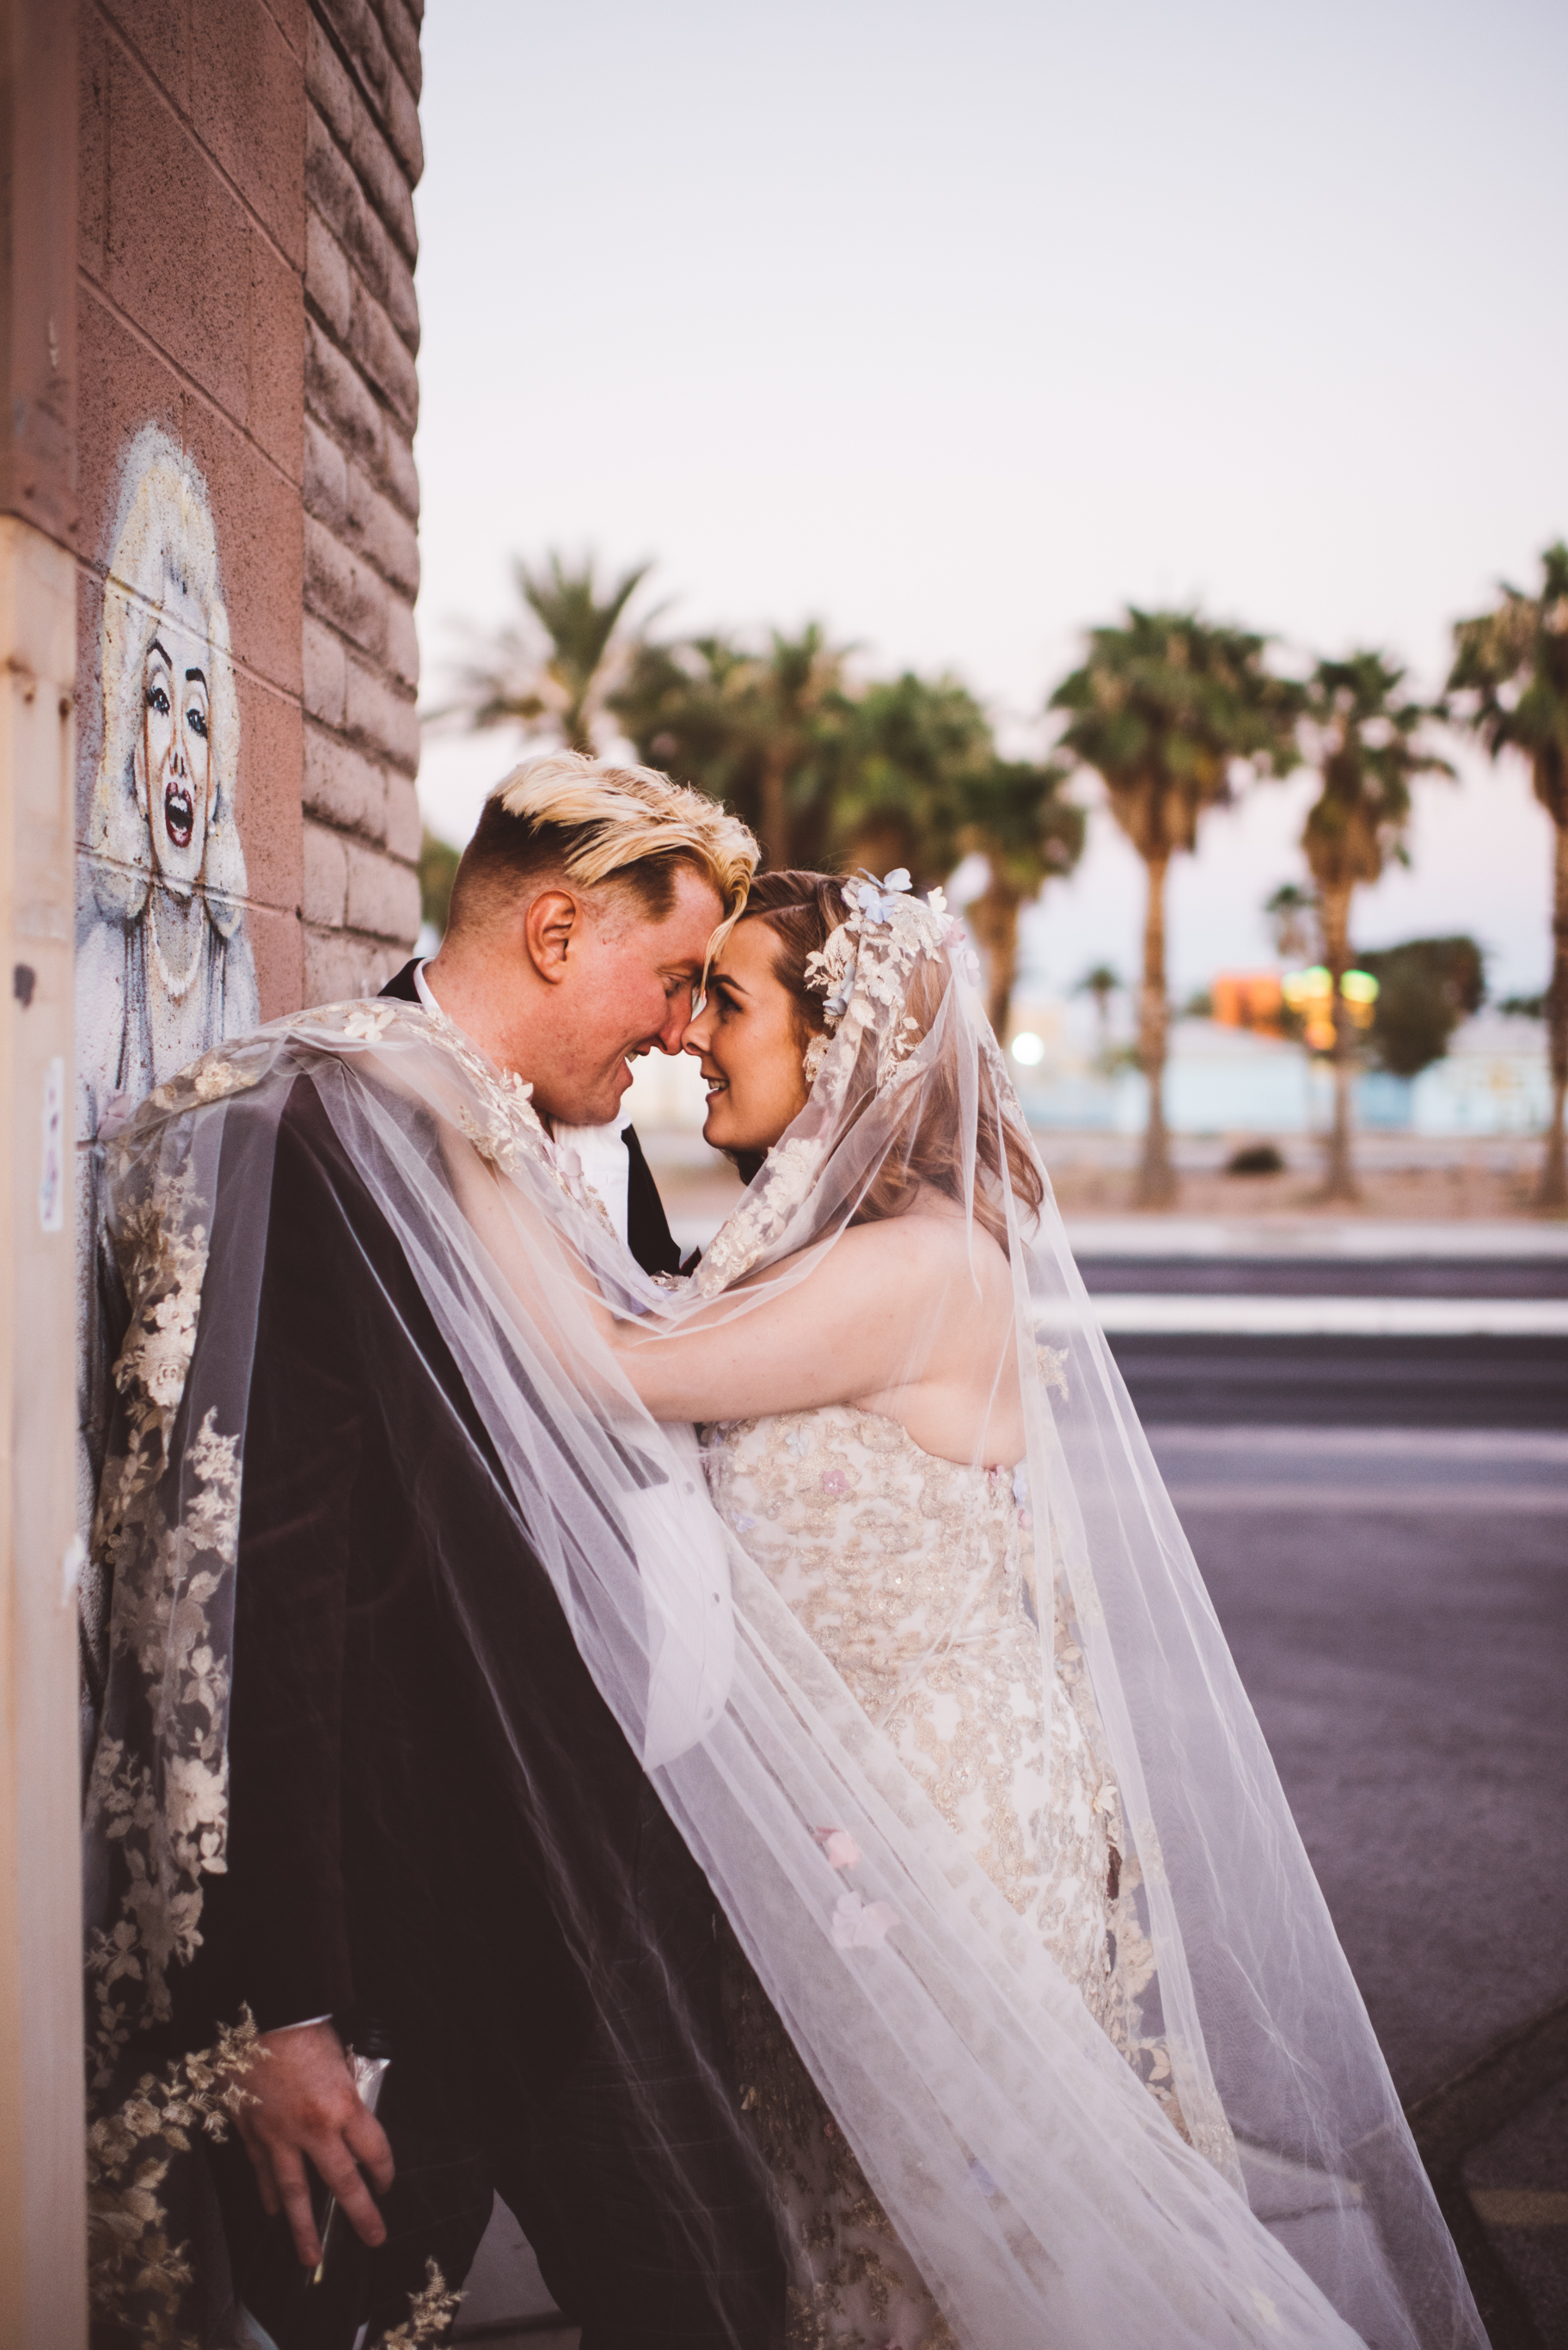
306	2105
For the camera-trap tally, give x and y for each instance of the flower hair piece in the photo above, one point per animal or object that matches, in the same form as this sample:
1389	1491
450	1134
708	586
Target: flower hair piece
864	971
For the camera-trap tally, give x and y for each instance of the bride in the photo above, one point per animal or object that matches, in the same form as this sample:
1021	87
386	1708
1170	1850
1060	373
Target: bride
863	1438
910	1430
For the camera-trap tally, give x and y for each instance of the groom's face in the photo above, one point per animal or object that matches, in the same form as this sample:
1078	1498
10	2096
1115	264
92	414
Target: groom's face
627	980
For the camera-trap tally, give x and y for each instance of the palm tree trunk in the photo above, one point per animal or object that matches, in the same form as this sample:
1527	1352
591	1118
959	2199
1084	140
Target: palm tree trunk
1157	1178
993	918
1340	1180
1552	1193
774	825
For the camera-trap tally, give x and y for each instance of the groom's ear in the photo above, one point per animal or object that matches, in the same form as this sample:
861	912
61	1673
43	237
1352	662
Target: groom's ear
552	928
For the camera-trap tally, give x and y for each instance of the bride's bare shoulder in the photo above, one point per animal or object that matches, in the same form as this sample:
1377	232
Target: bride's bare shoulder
925	1245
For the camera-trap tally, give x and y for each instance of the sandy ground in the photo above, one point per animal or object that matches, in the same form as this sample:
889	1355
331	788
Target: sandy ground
1402	1177
1464	1189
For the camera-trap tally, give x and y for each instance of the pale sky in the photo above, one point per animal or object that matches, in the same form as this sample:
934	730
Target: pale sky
956	327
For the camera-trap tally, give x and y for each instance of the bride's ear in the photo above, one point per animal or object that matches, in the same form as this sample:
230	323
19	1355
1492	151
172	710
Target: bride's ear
552	928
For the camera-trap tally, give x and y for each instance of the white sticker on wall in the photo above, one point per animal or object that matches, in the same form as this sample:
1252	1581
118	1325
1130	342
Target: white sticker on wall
71	1567
52	1176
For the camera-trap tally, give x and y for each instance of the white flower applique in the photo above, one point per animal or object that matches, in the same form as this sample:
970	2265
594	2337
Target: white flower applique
858	1924
226	1069
788	1174
861	1925
218	1075
168	1579
864	971
368	1022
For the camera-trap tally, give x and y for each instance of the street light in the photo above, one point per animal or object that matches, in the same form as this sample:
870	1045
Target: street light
1310	995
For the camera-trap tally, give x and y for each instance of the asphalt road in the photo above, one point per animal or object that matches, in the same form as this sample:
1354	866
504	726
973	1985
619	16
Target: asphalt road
1396	1601
1299	1275
1326	1382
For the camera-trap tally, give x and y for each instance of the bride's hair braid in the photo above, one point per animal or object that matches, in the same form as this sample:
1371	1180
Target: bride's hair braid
803	909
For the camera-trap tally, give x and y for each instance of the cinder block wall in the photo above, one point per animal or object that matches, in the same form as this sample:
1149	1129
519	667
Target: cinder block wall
361	662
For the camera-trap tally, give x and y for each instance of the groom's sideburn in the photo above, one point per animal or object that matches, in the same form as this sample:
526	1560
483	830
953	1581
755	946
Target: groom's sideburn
436	1829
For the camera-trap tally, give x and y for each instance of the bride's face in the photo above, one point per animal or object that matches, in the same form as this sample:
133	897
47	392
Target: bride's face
749	1045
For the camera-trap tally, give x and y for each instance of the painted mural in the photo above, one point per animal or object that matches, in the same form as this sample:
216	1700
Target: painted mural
164	967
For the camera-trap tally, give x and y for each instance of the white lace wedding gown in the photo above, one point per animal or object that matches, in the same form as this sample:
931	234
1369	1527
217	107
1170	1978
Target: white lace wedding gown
912	1574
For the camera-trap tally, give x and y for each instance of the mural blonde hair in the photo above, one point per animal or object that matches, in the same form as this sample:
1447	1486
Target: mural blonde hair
163	531
592	821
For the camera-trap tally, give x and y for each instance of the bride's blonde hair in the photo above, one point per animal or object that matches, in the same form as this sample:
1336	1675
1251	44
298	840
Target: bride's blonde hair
802	910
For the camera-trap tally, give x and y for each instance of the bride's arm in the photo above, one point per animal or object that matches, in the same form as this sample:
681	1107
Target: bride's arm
859	1323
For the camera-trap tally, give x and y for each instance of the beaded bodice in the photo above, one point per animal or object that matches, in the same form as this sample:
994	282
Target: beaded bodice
887	1554
913	1575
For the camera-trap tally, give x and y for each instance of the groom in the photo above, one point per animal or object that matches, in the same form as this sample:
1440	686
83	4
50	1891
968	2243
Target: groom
394	1865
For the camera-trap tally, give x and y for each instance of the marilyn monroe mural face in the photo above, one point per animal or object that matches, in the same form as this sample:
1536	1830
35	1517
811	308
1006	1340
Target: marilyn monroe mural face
174	758
165	968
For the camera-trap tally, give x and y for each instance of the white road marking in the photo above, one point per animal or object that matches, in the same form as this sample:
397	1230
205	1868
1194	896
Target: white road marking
1159	1312
1280	1495
1312	1236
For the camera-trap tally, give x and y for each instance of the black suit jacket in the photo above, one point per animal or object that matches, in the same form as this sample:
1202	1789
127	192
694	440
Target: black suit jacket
435	1821
647	1233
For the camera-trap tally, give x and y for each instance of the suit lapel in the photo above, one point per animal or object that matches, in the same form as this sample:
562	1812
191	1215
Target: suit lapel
647	1233
402	986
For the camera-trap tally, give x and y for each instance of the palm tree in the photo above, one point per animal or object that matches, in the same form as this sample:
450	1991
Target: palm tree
798	694
1511	675
1368	753
911	752
1102	980
553	673
1292	918
1029	833
915	780
757	730
1164	709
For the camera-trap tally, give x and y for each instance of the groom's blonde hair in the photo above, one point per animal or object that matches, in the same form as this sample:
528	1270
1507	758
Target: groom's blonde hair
592	823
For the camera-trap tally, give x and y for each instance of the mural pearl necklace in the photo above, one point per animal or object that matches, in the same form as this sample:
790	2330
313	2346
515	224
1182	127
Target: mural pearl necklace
180	987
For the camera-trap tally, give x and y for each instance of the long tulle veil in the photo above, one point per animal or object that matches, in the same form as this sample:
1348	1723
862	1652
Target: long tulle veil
1046	2196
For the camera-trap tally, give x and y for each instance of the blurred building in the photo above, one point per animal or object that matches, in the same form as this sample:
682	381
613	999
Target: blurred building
1249	999
1223	1078
1494	1080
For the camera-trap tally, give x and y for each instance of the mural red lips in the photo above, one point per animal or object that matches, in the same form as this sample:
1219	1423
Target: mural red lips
179	815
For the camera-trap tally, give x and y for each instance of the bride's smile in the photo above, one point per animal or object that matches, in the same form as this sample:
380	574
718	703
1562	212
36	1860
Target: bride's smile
749	1037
